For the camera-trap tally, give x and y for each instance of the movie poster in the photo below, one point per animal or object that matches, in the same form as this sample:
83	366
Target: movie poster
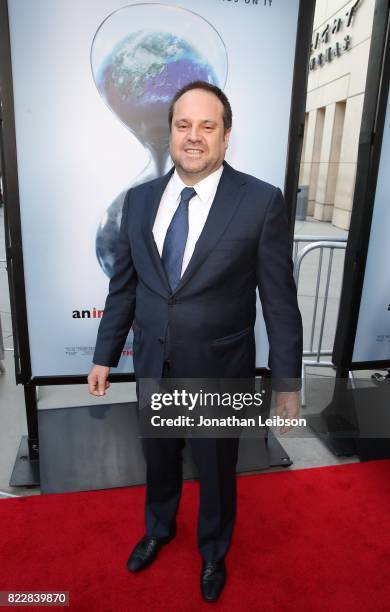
372	339
92	84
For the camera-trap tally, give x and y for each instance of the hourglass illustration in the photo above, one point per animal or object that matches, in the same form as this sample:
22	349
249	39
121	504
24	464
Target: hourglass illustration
141	55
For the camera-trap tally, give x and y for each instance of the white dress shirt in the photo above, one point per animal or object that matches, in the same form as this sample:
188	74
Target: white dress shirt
198	210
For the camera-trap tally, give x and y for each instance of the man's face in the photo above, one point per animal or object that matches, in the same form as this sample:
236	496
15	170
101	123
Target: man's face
198	141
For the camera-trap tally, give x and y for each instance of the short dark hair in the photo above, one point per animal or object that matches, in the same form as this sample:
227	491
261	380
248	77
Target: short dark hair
227	109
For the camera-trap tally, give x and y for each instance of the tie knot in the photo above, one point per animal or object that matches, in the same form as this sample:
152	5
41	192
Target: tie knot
187	193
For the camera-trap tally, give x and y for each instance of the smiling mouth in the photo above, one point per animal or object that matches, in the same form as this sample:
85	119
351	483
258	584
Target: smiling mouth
192	151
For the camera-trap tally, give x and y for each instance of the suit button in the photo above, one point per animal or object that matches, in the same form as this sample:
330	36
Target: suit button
161	340
171	301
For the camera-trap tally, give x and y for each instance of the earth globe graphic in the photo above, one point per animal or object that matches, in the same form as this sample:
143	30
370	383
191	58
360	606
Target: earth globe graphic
141	55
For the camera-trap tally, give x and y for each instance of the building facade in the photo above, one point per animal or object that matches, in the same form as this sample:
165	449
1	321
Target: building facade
335	95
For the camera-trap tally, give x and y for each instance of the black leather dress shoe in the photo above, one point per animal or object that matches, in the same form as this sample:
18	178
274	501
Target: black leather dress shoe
212	579
145	552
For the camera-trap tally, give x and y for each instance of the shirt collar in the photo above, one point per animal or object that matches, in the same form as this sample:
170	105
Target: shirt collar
204	189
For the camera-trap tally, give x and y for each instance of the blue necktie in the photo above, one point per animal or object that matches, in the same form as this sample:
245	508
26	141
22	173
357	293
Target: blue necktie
176	238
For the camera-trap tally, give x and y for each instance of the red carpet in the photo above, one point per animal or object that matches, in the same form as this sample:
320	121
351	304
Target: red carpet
316	539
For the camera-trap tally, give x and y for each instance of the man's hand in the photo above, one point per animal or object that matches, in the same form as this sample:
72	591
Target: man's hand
97	380
287	406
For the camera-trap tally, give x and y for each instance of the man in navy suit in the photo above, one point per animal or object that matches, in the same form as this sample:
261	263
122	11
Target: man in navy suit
194	245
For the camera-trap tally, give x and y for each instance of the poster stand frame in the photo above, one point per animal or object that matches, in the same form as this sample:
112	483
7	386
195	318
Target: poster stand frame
336	424
14	251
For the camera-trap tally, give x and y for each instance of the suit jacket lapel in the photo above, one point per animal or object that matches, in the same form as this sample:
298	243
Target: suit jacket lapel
156	190
226	201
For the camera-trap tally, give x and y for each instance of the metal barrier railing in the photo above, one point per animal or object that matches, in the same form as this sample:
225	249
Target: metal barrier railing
320	243
313	238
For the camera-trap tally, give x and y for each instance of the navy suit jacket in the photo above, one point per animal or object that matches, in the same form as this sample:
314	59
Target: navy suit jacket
245	245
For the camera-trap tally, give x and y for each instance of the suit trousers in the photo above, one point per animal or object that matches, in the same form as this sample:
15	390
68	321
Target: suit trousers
216	461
